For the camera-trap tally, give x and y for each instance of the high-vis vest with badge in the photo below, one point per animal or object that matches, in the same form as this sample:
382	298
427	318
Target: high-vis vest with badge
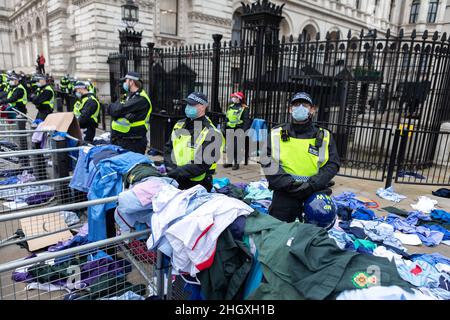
300	158
183	151
51	102
123	125
65	85
79	106
23	100
234	117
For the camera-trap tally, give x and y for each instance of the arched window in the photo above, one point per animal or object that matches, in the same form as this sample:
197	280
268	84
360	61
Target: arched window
334	35
22	33
237	27
284	29
309	32
16	35
30	29
38	24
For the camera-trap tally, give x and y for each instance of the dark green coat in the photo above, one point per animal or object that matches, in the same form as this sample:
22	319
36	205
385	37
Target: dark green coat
300	261
225	279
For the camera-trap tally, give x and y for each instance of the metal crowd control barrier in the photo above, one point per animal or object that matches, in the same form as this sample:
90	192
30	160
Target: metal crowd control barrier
32	224
102	270
38	193
38	163
69	271
16	140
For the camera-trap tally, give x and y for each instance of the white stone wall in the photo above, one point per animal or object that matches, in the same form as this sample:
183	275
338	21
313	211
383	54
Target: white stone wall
6	49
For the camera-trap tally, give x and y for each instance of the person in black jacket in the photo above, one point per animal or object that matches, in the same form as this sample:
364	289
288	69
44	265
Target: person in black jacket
87	111
44	98
131	118
195	146
302	159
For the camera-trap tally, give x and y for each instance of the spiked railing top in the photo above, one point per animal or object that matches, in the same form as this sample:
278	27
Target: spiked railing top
264	6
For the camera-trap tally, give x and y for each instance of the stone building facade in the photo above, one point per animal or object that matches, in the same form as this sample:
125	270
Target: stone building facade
76	36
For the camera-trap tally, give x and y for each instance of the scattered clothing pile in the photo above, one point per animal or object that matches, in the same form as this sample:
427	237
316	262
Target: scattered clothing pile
390	194
101	172
427	273
424	204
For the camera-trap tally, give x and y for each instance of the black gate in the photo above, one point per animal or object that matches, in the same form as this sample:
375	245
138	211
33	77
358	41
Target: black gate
367	88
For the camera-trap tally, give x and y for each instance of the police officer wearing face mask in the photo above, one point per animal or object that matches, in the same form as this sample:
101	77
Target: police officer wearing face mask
17	96
131	117
195	146
237	118
44	98
302	160
87	110
66	88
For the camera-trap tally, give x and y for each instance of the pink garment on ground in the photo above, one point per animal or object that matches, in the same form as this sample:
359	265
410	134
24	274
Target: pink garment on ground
146	190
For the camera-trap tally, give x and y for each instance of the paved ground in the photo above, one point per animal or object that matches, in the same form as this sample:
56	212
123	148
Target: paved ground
363	188
252	172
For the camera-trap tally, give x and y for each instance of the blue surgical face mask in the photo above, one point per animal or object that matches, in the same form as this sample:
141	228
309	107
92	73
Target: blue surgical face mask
191	112
126	87
79	95
300	113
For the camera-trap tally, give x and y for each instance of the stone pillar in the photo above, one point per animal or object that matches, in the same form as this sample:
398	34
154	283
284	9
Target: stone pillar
22	53
35	48
423	12
441	12
442	157
45	50
29	50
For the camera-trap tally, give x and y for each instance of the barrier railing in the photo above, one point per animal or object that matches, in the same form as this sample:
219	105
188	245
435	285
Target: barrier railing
102	270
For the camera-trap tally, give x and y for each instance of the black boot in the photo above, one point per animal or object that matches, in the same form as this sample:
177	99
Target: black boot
235	167
226	166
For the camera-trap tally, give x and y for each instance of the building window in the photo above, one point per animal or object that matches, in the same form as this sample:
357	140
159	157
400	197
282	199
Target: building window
169	17
391	10
415	7
376	6
432	11
358	4
237	27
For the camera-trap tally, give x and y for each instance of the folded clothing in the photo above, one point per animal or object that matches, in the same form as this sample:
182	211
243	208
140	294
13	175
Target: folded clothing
440	215
348	200
443	193
39	198
424	204
364	214
219	183
389	194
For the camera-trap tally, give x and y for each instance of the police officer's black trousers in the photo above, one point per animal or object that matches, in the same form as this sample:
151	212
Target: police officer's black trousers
285	207
89	134
66	100
137	145
236	154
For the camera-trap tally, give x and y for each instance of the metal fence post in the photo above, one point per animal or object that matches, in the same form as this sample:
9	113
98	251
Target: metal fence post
151	61
160	275
393	159
61	167
215	107
402	150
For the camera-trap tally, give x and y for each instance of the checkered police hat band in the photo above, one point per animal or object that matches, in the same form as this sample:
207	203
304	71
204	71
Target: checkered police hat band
198	99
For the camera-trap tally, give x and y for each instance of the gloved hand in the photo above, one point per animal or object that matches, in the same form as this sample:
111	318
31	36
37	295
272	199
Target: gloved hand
172	173
301	190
